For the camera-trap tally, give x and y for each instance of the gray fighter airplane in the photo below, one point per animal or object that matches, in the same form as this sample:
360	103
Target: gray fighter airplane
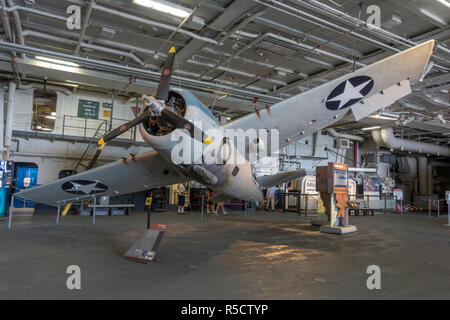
175	113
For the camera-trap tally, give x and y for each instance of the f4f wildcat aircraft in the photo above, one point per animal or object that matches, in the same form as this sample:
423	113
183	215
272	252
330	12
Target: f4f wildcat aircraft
174	113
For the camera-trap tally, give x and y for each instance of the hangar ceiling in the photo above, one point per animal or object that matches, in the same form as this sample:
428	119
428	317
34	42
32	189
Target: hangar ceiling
238	55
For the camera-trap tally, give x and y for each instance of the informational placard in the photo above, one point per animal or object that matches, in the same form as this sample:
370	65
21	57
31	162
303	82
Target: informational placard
340	178
106	109
144	249
398	194
88	109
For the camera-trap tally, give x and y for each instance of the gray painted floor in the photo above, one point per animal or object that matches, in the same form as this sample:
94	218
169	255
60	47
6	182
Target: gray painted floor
261	256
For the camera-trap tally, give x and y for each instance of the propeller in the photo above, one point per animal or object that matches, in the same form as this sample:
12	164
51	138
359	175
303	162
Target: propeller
156	107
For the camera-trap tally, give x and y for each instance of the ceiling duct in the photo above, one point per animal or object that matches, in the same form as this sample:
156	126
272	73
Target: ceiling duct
385	138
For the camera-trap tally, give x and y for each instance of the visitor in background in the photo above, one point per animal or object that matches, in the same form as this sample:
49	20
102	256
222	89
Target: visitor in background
220	205
209	203
271	198
181	198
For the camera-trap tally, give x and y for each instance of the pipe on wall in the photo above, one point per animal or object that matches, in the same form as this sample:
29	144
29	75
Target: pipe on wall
9	117
2	120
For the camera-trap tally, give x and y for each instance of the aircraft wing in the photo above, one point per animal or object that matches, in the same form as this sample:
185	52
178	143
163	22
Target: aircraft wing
366	90
145	171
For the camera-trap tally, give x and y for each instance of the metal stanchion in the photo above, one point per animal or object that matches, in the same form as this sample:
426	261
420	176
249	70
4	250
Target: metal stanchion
11	212
385	204
429	208
306	205
93	210
201	212
439	208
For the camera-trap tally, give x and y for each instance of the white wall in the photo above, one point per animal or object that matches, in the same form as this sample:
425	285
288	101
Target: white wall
68	106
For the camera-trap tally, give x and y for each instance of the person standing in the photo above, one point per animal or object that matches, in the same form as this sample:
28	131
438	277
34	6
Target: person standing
271	198
181	198
209	204
220	205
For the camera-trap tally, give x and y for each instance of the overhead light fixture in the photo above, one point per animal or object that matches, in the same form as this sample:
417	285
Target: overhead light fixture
444	2
371	128
56	61
381	117
165	7
53	113
50	117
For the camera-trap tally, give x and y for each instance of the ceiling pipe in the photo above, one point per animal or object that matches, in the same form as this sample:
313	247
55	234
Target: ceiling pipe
18	25
139	61
35	85
336	134
385	137
146	74
387	35
119	14
7	28
84	27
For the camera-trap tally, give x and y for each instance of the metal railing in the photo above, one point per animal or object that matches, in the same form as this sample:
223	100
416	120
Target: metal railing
307	203
89	127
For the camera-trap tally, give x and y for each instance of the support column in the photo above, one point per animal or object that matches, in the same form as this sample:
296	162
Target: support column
9	118
423	174
429	178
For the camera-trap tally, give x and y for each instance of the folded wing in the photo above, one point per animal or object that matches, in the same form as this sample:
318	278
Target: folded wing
142	172
380	84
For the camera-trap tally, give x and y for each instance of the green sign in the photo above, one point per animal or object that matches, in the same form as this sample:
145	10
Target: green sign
88	109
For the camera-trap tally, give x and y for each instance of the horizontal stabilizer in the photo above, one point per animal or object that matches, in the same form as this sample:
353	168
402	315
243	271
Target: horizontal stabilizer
275	179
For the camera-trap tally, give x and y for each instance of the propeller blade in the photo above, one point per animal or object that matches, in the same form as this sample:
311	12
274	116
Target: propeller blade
123	128
164	84
181	123
175	119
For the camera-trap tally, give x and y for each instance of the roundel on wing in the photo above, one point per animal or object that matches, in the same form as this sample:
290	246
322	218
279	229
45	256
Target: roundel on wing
349	92
84	187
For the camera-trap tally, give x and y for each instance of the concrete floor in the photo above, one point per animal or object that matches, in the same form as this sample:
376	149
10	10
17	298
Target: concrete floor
261	256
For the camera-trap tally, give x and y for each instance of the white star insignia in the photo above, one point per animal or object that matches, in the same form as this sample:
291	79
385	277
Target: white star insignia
86	189
350	93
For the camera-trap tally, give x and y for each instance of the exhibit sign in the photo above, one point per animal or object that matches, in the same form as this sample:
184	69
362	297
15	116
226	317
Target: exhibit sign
398	194
88	109
105	112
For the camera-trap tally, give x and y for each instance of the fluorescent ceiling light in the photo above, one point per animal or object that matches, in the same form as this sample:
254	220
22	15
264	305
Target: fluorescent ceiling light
380	117
370	128
56	61
53	113
165	7
444	2
51	117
